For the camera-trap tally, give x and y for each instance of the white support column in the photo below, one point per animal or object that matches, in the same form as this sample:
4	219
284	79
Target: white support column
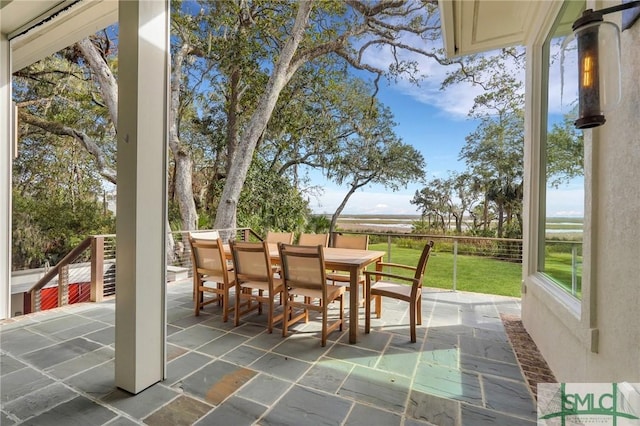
141	199
6	159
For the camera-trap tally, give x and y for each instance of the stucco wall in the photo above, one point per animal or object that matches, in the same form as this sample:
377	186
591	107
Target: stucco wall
618	227
609	319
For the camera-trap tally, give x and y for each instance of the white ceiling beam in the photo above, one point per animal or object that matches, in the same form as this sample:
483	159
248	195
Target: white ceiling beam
69	26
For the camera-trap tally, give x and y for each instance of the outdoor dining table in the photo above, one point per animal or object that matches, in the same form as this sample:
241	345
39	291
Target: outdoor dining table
341	259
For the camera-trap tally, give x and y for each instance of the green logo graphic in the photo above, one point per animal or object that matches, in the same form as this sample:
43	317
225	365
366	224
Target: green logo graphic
588	404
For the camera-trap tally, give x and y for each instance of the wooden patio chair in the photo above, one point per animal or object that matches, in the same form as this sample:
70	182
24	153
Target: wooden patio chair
211	274
275	238
255	281
205	235
279	237
357	242
305	287
386	284
313	239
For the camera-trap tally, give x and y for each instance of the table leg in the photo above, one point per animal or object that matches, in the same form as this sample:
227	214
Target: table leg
354	304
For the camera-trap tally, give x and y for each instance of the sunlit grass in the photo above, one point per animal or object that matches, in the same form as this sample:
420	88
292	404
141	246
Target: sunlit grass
473	273
559	267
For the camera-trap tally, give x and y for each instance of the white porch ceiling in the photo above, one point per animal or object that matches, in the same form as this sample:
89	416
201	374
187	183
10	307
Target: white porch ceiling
472	26
36	30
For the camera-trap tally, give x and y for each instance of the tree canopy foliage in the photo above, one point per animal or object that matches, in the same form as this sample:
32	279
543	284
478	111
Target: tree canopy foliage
261	94
491	187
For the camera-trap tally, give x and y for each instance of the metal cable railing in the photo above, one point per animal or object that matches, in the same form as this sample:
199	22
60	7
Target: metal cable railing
88	273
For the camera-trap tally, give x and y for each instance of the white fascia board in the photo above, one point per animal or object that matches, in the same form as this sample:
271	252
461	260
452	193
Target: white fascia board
73	24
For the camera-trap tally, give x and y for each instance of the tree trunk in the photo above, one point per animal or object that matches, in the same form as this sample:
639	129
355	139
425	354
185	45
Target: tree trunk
336	214
500	219
485	213
232	118
241	161
103	77
459	219
182	157
184	190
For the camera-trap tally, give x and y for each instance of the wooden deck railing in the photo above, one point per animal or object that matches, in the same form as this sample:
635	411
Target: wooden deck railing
101	282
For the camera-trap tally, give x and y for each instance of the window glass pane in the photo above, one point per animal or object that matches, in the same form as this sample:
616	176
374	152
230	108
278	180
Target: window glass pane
562	156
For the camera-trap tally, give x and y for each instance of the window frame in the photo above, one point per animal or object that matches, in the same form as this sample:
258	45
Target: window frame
577	315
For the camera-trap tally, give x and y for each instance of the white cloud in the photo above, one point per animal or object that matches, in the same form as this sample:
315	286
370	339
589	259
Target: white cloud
566	202
455	101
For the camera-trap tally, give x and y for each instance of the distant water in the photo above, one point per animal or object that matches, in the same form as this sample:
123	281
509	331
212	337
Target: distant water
404	223
389	225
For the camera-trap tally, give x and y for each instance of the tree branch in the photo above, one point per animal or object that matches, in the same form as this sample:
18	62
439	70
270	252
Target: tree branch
60	129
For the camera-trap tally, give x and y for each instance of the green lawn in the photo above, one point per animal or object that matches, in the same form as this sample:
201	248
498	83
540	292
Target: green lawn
474	273
558	266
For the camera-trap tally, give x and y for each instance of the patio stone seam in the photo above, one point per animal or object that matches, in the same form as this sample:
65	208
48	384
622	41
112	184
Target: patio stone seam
95	320
177	386
179	394
129	417
482	391
55	343
81	393
483	374
328	348
206	343
178	382
196	351
106	325
79	372
75	394
11	416
293	384
46	371
311	365
503	413
268	406
352	367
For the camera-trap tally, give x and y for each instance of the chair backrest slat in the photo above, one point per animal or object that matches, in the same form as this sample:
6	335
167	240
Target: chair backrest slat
251	261
303	266
204	235
279	237
358	242
208	256
313	239
422	265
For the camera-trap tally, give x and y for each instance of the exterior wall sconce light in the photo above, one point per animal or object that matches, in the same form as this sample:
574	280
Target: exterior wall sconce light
598	64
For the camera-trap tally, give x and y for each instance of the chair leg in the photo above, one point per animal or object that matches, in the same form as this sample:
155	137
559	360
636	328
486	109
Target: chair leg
286	315
378	306
324	325
197	302
367	311
419	308
236	311
412	320
225	305
341	311
270	319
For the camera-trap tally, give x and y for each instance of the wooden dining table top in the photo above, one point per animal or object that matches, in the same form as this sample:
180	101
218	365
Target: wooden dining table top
343	257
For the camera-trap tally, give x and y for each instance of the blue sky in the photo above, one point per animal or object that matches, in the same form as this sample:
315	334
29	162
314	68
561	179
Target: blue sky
436	123
438	134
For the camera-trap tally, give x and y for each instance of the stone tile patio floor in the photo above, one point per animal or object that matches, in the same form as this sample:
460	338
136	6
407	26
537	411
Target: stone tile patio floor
57	368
